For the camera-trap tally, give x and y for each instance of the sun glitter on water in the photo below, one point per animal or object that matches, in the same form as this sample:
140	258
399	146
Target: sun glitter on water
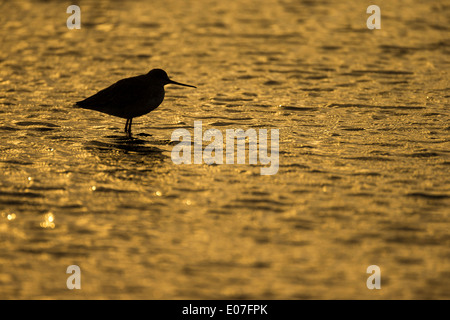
9	216
48	222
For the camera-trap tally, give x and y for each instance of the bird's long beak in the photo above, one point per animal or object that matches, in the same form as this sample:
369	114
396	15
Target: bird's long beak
181	84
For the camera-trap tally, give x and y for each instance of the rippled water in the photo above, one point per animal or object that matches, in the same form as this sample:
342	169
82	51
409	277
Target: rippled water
364	151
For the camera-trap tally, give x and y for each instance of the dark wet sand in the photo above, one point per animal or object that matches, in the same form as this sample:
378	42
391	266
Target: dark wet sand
364	151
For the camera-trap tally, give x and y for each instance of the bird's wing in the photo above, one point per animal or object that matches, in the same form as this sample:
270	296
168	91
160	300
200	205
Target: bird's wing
115	97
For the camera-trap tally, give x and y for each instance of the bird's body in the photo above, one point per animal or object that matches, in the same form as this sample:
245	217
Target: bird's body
131	97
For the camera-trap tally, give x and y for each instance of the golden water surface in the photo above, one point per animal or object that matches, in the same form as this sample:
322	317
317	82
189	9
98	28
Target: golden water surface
364	151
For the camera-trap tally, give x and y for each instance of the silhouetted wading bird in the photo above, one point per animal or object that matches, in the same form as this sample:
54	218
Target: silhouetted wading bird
131	97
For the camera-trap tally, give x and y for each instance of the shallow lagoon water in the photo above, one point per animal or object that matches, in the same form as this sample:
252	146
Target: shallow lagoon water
364	151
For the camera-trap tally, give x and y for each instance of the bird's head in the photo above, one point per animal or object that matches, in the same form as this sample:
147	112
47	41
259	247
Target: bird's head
160	76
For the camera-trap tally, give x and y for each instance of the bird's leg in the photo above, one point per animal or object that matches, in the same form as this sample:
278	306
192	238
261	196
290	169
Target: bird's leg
128	127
